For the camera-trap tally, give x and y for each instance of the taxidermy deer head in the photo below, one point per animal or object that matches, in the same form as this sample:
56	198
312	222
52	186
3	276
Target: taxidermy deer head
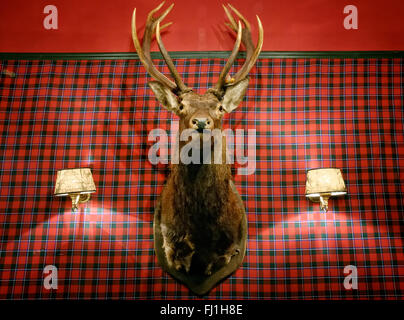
198	111
200	217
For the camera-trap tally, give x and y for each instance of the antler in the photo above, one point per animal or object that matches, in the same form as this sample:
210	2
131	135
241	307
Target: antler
222	78
153	24
251	52
243	35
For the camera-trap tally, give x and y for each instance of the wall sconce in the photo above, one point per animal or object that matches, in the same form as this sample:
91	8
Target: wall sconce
76	183
321	184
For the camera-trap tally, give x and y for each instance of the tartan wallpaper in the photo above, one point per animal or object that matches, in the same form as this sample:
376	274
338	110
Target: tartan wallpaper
308	113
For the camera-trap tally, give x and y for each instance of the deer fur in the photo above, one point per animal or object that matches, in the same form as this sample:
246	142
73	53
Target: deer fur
200	207
201	210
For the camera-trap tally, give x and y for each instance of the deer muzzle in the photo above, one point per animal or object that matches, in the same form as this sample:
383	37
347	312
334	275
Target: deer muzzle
201	123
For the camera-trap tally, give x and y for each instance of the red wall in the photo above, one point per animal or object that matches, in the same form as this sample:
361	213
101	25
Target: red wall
290	25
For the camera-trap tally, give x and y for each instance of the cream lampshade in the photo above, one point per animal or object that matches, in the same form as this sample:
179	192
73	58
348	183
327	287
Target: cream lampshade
76	183
321	184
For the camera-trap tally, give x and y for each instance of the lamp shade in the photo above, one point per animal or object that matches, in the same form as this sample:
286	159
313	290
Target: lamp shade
76	183
323	183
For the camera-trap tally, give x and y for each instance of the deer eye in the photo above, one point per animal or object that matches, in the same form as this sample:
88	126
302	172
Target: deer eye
181	107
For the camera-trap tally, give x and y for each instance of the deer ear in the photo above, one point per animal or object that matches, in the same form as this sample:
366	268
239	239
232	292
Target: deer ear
165	96
234	95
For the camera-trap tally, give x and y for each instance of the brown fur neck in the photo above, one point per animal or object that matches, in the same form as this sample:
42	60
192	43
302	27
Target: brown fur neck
202	189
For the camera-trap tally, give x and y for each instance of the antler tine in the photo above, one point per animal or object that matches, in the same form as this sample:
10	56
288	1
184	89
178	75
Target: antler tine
181	86
151	23
245	21
165	25
251	52
153	11
232	23
246	36
144	56
222	78
249	63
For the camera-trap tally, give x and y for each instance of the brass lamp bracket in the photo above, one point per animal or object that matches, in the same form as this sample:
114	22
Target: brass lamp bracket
322	199
78	198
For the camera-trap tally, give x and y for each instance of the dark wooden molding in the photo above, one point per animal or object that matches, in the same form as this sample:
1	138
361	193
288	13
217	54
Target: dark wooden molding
198	55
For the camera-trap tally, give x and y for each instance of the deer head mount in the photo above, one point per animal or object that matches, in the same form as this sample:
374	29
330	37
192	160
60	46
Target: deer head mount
199	221
198	111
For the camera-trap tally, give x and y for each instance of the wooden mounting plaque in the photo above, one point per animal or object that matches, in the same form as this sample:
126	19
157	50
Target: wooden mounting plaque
199	284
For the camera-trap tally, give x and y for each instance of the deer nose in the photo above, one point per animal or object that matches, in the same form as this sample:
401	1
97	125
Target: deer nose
199	123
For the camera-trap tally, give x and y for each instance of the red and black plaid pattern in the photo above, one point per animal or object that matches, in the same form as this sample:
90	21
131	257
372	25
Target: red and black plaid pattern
308	113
